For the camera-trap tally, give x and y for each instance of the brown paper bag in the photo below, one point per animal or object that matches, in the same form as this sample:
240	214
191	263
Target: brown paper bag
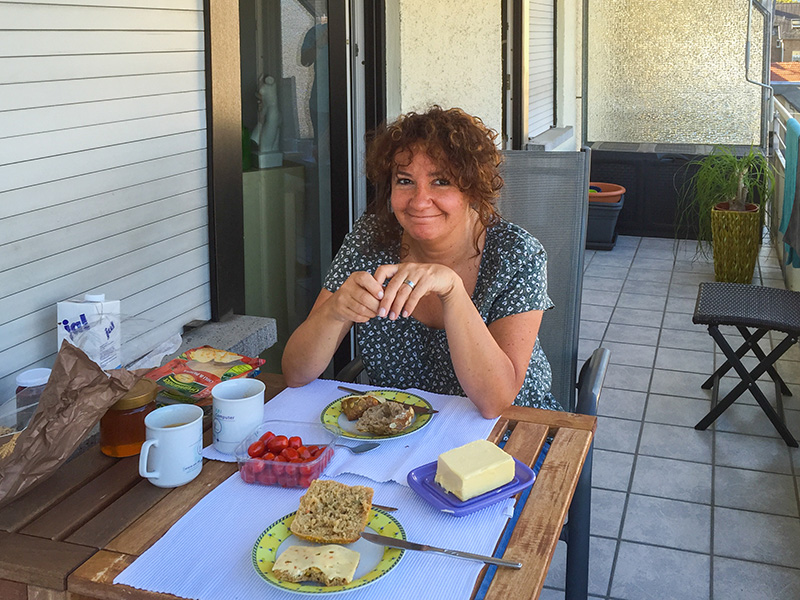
76	396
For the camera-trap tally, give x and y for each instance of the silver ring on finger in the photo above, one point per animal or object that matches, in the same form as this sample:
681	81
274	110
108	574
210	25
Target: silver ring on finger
409	283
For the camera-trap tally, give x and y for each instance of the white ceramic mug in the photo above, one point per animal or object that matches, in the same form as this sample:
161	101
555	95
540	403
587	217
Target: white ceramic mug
172	453
238	408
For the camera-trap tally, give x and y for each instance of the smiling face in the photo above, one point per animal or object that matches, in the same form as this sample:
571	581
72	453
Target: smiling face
426	203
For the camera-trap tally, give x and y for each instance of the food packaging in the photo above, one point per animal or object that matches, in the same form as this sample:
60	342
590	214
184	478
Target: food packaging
190	377
92	323
77	394
286	474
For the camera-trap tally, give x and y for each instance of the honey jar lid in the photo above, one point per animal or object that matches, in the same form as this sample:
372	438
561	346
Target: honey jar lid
143	392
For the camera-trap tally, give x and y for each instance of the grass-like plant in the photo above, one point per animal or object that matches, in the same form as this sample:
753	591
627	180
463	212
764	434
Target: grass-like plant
722	176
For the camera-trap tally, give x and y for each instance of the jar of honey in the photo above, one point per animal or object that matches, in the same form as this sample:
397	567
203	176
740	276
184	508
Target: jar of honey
122	431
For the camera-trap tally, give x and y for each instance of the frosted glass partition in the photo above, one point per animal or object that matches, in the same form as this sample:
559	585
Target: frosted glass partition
672	71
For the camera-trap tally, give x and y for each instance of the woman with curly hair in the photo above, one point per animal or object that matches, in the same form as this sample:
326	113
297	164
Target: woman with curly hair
448	295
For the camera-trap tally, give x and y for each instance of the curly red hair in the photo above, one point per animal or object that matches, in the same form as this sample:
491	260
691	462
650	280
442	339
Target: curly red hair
459	143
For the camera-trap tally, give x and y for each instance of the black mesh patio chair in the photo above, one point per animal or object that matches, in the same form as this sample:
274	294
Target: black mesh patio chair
547	194
746	307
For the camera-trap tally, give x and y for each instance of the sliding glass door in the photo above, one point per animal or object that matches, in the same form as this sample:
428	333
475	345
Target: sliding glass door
306	103
286	147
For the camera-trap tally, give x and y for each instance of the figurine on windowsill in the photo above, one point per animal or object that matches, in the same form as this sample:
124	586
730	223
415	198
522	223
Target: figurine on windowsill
266	133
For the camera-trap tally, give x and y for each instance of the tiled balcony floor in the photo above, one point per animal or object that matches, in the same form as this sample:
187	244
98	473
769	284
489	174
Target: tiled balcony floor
679	513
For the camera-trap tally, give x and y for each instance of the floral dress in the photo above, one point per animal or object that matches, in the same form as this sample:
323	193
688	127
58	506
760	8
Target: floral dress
512	279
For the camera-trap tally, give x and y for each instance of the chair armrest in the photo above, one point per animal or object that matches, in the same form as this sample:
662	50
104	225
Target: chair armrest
590	381
351	370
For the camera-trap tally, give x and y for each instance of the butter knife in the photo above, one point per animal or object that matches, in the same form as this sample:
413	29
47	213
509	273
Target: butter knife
394	543
420	410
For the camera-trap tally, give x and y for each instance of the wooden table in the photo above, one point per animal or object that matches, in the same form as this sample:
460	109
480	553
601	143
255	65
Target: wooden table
69	537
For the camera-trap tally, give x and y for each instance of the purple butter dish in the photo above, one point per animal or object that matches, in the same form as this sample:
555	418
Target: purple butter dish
422	481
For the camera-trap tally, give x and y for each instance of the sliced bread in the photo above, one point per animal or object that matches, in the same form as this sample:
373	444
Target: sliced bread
332	513
328	565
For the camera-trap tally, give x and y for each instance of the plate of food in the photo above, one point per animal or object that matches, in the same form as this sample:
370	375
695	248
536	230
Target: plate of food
317	549
376	414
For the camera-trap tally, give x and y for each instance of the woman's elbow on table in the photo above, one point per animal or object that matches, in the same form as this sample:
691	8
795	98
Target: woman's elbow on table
293	375
494	410
490	413
295	383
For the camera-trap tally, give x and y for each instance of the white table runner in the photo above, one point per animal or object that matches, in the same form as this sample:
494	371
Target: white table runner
206	555
457	423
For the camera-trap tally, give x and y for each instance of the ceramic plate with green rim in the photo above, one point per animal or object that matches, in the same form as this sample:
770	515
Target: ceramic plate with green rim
375	562
334	419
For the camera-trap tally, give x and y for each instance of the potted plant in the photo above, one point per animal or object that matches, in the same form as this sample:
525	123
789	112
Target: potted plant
727	196
605	203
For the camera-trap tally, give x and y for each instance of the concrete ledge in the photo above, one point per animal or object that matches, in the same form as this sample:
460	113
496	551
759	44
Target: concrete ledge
550	139
242	334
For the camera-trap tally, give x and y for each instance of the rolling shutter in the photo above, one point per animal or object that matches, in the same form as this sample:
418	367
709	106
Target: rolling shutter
103	182
541	66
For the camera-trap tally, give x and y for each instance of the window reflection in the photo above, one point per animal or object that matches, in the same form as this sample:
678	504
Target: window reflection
286	158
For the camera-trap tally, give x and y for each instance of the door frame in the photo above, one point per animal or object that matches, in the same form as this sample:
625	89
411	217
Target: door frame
224	157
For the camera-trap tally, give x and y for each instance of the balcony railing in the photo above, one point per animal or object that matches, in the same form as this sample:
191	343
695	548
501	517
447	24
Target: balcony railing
783	112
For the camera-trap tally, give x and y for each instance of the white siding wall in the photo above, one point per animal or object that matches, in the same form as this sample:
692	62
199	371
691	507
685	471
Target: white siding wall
102	168
541	66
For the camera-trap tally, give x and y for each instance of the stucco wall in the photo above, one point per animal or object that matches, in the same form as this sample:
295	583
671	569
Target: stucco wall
445	52
673	72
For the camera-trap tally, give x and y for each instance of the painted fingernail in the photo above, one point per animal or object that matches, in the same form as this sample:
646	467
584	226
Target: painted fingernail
380	295
382	312
405	313
392	316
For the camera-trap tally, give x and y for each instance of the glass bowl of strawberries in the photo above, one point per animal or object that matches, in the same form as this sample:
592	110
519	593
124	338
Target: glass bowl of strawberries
285	453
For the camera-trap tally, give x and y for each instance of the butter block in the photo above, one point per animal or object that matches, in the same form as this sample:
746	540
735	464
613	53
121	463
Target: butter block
474	469
328	565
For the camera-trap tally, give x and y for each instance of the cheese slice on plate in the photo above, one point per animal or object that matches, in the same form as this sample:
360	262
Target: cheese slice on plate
474	469
328	565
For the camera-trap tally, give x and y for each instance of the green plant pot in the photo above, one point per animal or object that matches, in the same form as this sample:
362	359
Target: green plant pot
735	237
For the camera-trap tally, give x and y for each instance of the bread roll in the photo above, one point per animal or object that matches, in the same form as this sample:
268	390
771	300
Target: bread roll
354	406
386	419
332	513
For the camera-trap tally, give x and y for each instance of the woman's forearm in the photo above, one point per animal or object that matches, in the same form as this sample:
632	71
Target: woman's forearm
311	347
490	362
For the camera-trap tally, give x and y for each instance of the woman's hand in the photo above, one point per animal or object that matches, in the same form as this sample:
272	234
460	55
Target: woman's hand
311	346
408	283
357	300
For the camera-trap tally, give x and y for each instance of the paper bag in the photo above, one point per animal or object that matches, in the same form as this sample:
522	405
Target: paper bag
76	396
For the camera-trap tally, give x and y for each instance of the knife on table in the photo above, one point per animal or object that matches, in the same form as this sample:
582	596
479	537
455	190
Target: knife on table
420	410
394	543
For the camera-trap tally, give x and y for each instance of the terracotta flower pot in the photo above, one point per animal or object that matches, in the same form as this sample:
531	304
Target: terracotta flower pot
605	192
735	236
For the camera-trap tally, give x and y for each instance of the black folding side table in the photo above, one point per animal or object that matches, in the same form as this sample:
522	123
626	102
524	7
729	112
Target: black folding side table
747	307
